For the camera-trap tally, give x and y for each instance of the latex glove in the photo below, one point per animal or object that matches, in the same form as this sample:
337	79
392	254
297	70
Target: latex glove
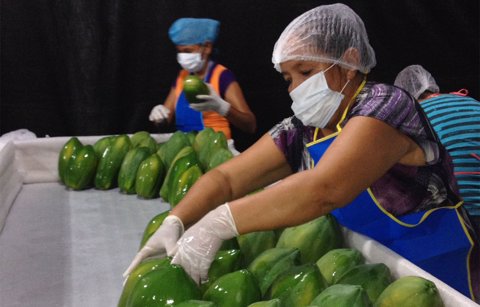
198	246
159	114
162	243
212	102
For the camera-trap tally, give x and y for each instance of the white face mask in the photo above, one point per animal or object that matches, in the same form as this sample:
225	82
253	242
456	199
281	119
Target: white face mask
314	103
192	62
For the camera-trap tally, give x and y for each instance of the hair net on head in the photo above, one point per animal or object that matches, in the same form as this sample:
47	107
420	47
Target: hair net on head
416	80
193	31
323	34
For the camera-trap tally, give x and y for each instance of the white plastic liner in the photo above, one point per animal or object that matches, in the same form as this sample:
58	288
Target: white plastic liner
69	248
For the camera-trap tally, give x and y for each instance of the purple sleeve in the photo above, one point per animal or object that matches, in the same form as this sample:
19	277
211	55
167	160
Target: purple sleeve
398	109
226	79
290	136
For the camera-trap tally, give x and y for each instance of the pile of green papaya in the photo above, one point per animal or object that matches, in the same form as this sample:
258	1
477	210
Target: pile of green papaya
138	165
307	265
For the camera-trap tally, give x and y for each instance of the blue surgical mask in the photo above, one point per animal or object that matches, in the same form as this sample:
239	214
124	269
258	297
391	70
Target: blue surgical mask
314	103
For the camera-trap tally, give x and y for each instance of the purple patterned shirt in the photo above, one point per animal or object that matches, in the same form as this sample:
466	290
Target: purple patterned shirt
402	189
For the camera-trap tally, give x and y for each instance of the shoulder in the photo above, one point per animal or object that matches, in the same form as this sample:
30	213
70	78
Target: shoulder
384	102
452	100
226	73
398	109
383	95
226	78
287	124
291	130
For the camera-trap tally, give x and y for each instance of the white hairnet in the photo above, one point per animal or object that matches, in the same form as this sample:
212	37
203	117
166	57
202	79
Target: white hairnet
416	80
323	34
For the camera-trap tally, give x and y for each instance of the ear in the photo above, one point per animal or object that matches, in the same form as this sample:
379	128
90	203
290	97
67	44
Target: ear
351	55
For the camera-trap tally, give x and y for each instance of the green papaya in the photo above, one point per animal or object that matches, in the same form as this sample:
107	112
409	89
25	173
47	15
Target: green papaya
229	244
184	159
271	303
150	143
81	168
191	137
337	261
343	296
216	141
410	291
226	261
196	303
65	154
271	263
313	238
373	277
101	144
158	148
152	226
218	157
168	285
235	289
111	161
298	286
129	167
184	182
162	152
149	177
202	139
219	140
138	137
169	150
193	85
143	268
254	243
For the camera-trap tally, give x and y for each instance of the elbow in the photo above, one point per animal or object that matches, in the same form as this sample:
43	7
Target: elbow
326	198
248	126
252	126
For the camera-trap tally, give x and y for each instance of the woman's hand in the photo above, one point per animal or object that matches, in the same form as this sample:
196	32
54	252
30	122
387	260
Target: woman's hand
161	243
159	114
198	246
211	102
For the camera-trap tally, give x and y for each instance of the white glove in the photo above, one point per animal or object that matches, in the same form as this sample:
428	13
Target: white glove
212	102
162	243
198	246
159	114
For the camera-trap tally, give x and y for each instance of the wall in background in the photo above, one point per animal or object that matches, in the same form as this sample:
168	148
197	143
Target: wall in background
81	67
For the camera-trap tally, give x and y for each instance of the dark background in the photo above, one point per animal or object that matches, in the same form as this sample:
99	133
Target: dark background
95	67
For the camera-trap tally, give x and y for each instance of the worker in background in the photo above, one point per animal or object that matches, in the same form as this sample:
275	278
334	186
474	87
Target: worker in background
359	150
455	117
194	39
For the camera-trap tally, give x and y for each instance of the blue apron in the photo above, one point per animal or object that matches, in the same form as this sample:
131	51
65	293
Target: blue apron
186	118
435	240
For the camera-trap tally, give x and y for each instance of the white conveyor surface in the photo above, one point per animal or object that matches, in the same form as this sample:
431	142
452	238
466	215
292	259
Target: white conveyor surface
69	248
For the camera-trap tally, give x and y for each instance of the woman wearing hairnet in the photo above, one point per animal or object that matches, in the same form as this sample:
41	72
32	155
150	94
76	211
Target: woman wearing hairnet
455	117
359	150
194	39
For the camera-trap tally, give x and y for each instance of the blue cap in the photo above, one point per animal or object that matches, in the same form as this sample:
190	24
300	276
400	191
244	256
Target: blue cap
193	31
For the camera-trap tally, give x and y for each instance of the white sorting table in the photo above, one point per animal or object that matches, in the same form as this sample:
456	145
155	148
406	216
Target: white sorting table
69	248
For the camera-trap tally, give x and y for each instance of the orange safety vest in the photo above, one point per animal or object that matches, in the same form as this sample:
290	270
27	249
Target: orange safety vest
210	118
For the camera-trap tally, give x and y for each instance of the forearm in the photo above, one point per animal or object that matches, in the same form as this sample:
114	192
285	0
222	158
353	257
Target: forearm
239	114
292	201
245	121
258	166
